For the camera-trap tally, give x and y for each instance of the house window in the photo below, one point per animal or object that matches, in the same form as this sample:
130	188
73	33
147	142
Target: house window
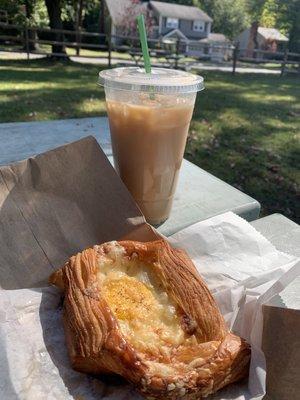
172	23
198	26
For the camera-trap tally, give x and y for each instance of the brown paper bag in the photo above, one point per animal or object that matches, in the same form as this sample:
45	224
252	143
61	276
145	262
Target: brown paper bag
58	203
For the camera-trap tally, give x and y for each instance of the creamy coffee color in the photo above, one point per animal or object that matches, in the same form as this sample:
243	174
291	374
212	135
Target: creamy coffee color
149	117
148	144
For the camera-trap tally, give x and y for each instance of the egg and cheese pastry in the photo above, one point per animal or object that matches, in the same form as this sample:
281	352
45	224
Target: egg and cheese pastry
142	311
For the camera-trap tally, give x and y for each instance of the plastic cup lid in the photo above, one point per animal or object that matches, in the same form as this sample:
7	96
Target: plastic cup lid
161	80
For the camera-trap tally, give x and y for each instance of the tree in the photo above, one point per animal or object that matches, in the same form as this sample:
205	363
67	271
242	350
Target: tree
55	22
269	14
78	25
29	11
229	16
128	25
294	29
287	20
102	17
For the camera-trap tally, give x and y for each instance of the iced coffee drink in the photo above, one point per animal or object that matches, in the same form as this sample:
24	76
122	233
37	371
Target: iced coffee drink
149	128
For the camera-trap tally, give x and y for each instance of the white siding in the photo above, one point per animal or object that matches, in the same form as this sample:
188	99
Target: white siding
208	28
243	38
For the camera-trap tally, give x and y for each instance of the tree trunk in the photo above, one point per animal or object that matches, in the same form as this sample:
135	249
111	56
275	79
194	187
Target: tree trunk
252	42
294	35
32	46
55	22
78	25
102	17
102	26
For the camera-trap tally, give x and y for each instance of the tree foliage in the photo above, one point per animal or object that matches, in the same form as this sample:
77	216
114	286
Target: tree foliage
129	25
255	8
229	16
286	18
17	12
269	14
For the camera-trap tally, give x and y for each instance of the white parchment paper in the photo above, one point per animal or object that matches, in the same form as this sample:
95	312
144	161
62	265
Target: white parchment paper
242	269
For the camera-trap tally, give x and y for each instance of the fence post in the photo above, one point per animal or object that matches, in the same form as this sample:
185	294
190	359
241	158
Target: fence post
78	40
285	57
235	56
109	50
177	53
27	41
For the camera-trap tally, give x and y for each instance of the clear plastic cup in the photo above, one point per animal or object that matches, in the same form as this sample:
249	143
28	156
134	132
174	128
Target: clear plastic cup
149	117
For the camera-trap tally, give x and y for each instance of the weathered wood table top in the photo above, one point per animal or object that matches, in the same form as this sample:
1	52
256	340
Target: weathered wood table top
199	194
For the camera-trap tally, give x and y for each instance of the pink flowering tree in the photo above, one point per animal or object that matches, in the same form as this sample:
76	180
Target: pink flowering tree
128	24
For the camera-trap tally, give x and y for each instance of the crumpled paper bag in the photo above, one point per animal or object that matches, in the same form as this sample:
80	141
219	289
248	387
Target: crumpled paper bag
243	270
240	266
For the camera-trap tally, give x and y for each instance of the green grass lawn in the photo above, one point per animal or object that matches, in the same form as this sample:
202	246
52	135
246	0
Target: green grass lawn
71	51
245	129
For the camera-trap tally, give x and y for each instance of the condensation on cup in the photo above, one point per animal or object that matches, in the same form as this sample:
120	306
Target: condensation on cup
149	117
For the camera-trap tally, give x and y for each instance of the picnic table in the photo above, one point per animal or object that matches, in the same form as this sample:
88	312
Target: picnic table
171	60
136	55
199	196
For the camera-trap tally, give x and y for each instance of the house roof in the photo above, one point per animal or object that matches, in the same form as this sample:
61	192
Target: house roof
175	33
179	11
117	9
271	34
215	37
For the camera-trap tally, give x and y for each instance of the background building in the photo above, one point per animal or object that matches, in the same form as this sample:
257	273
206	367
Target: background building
269	39
169	23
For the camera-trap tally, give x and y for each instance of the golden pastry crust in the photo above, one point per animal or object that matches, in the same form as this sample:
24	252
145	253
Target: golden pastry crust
142	311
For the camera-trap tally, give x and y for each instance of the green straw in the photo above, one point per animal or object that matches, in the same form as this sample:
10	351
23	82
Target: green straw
144	44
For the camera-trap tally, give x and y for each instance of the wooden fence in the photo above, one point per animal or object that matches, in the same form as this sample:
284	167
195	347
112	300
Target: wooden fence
25	36
78	40
259	56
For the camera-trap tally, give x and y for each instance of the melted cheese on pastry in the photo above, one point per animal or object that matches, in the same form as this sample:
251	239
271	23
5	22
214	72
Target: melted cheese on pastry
146	315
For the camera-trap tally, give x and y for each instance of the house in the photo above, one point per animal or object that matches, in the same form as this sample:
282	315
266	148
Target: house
215	47
184	22
269	39
172	22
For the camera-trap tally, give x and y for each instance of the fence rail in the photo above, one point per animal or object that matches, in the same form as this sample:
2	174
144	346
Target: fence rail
283	60
33	35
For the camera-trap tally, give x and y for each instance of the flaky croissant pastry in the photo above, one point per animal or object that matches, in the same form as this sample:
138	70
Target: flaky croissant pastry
141	310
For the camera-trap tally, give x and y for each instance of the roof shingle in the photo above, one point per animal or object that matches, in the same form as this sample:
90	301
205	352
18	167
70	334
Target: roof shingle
272	34
180	11
214	38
